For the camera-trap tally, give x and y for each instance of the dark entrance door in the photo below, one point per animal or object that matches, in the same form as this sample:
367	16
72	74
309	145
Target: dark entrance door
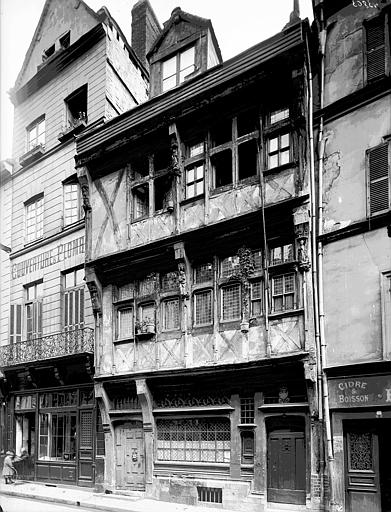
367	466
286	462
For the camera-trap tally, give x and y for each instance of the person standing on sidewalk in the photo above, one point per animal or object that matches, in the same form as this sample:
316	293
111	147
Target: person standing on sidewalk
8	467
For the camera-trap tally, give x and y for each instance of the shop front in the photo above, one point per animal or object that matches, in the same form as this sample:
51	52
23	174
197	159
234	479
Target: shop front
361	423
57	429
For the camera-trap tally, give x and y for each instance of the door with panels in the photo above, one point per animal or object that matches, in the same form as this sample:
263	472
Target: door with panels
130	456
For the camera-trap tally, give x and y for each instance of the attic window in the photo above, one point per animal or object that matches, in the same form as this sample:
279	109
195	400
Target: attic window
65	40
48	53
77	107
176	69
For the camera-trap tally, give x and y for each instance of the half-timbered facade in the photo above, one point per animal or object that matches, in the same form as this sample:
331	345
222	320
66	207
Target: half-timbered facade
354	122
197	261
78	72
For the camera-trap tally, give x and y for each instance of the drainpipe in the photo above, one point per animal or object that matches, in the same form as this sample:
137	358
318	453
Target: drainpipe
321	145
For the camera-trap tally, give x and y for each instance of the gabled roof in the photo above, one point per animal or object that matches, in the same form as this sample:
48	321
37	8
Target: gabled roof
179	15
37	33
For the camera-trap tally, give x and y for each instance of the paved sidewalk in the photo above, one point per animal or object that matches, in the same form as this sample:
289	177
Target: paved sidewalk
88	499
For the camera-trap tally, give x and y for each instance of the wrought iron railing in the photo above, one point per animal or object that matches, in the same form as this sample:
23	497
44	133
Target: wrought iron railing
59	344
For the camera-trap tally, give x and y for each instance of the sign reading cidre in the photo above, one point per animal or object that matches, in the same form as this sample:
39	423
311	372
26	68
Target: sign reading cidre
360	391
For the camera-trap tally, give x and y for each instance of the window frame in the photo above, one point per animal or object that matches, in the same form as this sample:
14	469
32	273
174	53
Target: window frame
369	152
178	70
223	287
163	305
36	305
119	310
79	206
199	291
34	142
384	19
38	224
294	294
73	291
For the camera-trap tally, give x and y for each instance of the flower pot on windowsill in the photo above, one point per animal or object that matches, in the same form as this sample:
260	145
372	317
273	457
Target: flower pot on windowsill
150	328
244	326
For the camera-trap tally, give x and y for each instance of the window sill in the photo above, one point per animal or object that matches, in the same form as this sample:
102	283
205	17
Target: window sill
282	314
32	155
144	217
79	222
284	266
280	168
195	199
123	340
68	134
31	243
219	190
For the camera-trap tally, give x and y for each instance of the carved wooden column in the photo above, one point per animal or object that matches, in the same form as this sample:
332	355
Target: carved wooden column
82	175
146	402
184	290
108	430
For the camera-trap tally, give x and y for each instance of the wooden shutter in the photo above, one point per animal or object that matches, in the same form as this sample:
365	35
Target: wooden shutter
375	48
378	180
15	323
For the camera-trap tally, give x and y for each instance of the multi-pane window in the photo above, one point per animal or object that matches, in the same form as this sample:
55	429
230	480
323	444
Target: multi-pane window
125	323
229	266
170	314
203	273
169	281
194	440
73	300
279	115
140	201
34	219
247	410
177	68
278	150
281	254
72	203
379	179
283	292
33	310
230	302
256	298
234	151
36	133
57	436
203	313
195	170
15	323
375	48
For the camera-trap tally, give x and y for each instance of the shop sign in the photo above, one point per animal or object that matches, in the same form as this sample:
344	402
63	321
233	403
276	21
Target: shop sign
360	391
45	259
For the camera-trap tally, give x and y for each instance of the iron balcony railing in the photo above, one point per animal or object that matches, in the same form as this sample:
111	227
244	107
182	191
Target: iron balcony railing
59	344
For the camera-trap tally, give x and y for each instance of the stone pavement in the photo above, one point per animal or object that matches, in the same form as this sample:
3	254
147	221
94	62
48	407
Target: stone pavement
86	498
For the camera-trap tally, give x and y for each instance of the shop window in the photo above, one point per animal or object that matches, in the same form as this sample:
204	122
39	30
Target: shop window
33	310
73	210
57	436
247	442
194	440
281	254
203	312
177	68
163	192
34	219
140	201
379	179
278	149
73	300
125	323
375	48
170	314
256	298
203	273
76	104
248	154
231	302
36	133
283	293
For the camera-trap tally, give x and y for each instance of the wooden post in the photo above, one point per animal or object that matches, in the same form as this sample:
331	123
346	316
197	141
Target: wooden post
235	438
146	403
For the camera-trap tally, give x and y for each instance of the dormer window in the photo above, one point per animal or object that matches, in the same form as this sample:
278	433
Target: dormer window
177	68
65	40
48	52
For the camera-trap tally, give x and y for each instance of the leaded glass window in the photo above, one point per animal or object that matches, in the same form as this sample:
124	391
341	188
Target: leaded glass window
203	307
231	302
171	318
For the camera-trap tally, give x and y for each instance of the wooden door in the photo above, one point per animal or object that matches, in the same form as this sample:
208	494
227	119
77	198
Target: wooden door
130	456
286	467
362	470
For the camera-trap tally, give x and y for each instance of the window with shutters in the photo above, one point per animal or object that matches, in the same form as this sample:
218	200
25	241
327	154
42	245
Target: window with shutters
378	179
73	300
33	310
376	48
15	328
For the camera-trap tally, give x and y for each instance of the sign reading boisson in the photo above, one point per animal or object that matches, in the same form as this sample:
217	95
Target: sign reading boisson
360	391
59	253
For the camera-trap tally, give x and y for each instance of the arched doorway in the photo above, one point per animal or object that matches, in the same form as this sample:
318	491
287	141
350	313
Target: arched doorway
286	459
130	456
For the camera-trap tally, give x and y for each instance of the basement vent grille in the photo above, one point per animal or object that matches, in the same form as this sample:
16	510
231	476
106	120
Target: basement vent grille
210	494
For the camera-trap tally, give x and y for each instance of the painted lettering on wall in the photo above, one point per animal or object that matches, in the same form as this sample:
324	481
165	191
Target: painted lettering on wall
359	392
59	253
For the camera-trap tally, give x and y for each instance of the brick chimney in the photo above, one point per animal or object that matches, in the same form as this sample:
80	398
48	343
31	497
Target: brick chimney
145	29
